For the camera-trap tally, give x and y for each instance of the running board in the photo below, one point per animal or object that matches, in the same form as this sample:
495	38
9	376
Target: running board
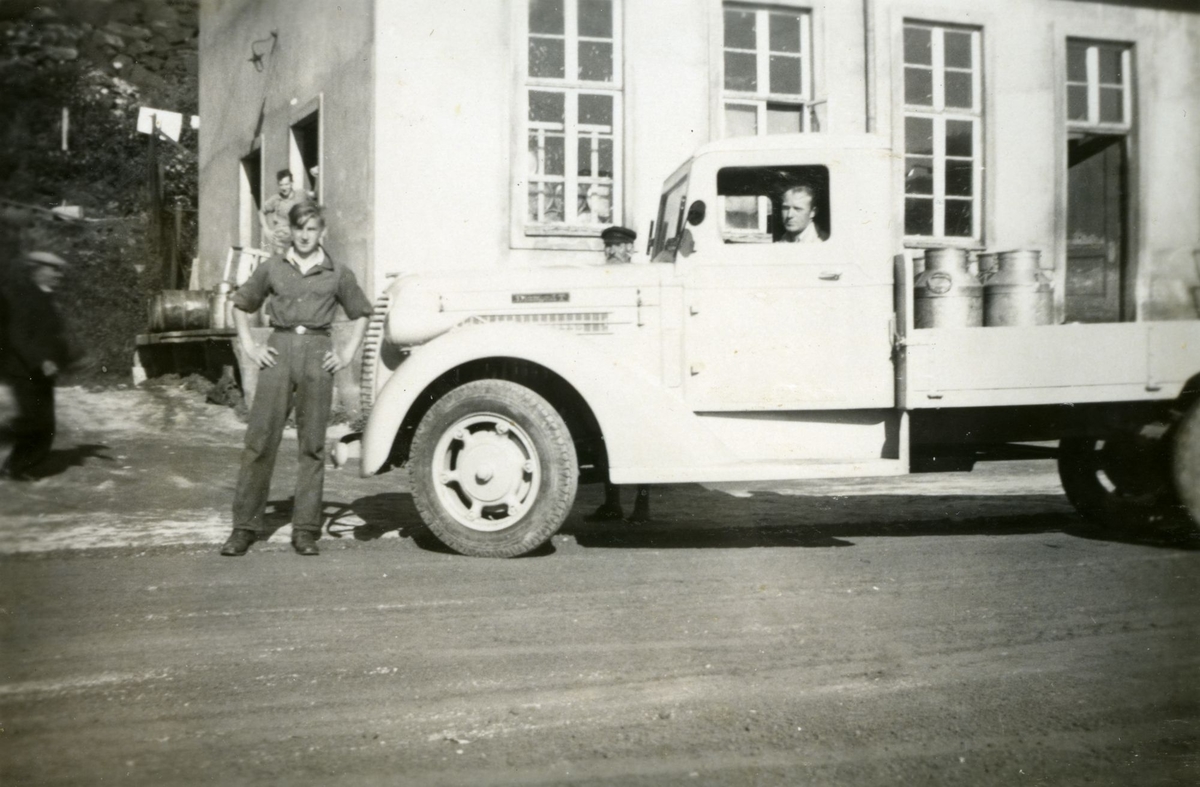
758	471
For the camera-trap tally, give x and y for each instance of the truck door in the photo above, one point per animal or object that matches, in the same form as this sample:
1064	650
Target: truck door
788	304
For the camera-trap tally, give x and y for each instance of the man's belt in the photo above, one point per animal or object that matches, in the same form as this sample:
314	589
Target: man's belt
302	330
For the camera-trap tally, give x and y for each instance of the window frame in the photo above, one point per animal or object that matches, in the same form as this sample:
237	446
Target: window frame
569	233
938	113
762	99
1093	123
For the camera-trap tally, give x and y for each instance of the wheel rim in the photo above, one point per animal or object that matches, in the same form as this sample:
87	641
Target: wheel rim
486	472
1128	470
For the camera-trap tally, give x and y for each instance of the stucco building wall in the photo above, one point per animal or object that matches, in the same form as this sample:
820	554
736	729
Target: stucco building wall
420	149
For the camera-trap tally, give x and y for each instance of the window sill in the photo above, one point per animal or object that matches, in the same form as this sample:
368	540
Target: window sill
566	231
925	242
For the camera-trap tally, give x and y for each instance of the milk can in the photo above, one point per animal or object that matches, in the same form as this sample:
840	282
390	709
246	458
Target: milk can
1019	293
220	306
945	294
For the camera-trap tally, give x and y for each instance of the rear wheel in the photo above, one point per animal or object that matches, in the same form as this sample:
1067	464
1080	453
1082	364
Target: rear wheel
493	469
1186	461
1120	482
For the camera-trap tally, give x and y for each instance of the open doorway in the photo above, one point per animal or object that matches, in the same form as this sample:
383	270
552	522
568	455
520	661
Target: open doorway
1097	271
250	200
304	155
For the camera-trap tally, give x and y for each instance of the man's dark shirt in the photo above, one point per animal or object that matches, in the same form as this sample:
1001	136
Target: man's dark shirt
308	299
33	330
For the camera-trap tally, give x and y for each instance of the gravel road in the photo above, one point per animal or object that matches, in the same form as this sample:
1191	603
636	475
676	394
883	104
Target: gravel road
958	629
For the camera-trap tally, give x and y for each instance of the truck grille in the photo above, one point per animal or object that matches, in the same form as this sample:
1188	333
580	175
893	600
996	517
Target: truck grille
575	322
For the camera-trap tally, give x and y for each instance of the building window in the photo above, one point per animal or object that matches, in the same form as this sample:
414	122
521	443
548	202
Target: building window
767	71
572	110
1098	80
943	134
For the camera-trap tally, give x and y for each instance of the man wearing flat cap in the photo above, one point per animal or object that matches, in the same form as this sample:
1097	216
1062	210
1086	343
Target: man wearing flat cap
618	245
34	347
618	250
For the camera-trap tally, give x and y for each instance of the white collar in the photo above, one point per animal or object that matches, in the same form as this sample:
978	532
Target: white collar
306	265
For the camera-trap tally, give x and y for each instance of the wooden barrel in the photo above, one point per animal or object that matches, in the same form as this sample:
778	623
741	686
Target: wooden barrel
179	310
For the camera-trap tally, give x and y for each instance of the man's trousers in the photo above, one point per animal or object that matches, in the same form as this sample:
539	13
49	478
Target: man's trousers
298	380
33	429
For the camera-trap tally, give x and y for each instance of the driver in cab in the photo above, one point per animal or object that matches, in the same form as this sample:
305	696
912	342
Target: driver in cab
797	213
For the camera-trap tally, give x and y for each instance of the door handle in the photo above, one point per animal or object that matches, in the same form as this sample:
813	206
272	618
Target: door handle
830	275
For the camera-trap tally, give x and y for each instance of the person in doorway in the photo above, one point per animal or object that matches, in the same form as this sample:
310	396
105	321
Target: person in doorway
275	212
618	250
34	348
797	213
297	366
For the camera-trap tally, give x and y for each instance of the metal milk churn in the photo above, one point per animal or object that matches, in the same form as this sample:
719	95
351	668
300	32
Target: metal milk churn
945	294
1018	293
219	306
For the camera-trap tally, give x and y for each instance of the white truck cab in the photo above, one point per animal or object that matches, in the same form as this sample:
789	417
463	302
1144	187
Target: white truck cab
735	355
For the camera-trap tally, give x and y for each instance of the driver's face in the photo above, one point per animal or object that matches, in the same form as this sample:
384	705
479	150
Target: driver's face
797	211
618	252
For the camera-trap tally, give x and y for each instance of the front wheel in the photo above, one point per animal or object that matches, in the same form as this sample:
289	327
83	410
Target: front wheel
1186	461
493	469
1120	482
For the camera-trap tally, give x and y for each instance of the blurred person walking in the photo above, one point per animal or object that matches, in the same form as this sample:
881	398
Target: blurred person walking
34	348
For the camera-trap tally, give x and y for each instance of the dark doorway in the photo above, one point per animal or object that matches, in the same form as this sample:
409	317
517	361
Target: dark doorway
250	200
1097	276
306	155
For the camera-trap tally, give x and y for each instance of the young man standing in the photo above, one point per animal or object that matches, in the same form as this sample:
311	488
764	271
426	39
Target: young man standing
297	366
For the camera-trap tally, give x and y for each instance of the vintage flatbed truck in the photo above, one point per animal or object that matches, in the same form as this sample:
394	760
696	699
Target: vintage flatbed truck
732	359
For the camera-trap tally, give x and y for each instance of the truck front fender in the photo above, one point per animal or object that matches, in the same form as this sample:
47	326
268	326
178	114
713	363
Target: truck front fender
643	424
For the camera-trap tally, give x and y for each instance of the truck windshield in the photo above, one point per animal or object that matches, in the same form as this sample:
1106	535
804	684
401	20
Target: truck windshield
670	220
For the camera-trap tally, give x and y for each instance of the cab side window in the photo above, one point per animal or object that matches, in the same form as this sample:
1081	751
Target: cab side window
785	204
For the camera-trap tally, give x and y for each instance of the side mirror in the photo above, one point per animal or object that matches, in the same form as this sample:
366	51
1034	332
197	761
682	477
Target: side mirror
695	213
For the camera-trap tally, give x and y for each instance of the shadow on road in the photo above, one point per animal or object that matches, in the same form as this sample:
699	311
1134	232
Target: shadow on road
691	518
61	460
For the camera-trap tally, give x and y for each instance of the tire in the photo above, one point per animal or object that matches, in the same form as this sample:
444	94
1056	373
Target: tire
1119	483
1186	462
493	469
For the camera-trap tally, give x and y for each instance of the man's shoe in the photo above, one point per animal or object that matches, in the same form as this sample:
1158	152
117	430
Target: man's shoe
238	542
305	543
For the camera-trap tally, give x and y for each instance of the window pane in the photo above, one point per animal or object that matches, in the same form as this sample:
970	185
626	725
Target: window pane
958	218
959	140
595	61
1112	108
545	202
595	110
782	119
547	159
918	175
546	58
785	33
741	71
741	213
959	176
606	157
918	86
546	106
918	48
595	18
740	30
918	216
1076	63
918	136
740	120
785	74
546	16
957	49
1077	108
1110	65
958	89
595	204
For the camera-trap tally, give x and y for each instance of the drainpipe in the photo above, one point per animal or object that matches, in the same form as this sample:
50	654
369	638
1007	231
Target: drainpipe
869	61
